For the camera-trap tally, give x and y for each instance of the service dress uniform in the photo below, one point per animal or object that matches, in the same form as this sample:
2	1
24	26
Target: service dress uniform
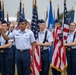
71	55
23	41
6	58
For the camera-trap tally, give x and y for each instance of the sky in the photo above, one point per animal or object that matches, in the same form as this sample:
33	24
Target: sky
12	6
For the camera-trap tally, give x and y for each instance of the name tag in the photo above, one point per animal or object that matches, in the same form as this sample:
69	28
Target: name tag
17	36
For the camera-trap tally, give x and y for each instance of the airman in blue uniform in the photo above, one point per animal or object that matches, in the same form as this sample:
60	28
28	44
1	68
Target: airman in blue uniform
44	46
71	50
6	54
24	38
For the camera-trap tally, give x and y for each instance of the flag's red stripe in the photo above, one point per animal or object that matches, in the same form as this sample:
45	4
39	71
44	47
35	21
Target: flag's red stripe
66	30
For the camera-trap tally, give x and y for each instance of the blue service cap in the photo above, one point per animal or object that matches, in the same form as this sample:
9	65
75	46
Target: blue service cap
41	21
22	19
4	22
56	21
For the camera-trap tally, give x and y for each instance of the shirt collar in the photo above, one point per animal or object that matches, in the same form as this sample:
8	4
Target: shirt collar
71	33
23	32
43	31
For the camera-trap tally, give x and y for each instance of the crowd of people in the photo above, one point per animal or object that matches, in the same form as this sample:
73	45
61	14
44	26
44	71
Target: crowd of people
15	44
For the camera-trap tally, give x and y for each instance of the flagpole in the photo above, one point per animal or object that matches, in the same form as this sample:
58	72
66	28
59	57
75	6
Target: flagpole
44	16
33	3
65	73
54	13
57	17
64	0
20	1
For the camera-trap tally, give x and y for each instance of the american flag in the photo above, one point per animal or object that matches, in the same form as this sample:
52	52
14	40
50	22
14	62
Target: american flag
59	61
65	29
34	24
35	29
19	12
66	23
57	55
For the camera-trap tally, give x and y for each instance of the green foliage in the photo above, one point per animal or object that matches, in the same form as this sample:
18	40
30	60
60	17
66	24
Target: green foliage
61	15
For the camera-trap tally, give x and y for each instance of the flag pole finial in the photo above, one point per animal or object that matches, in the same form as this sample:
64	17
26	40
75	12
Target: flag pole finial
72	8
36	2
47	8
6	12
2	0
2	4
23	5
33	3
44	15
50	0
20	1
58	5
64	0
54	11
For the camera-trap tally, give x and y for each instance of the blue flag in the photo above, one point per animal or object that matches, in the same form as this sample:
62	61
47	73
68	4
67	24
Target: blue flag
72	16
50	19
51	27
